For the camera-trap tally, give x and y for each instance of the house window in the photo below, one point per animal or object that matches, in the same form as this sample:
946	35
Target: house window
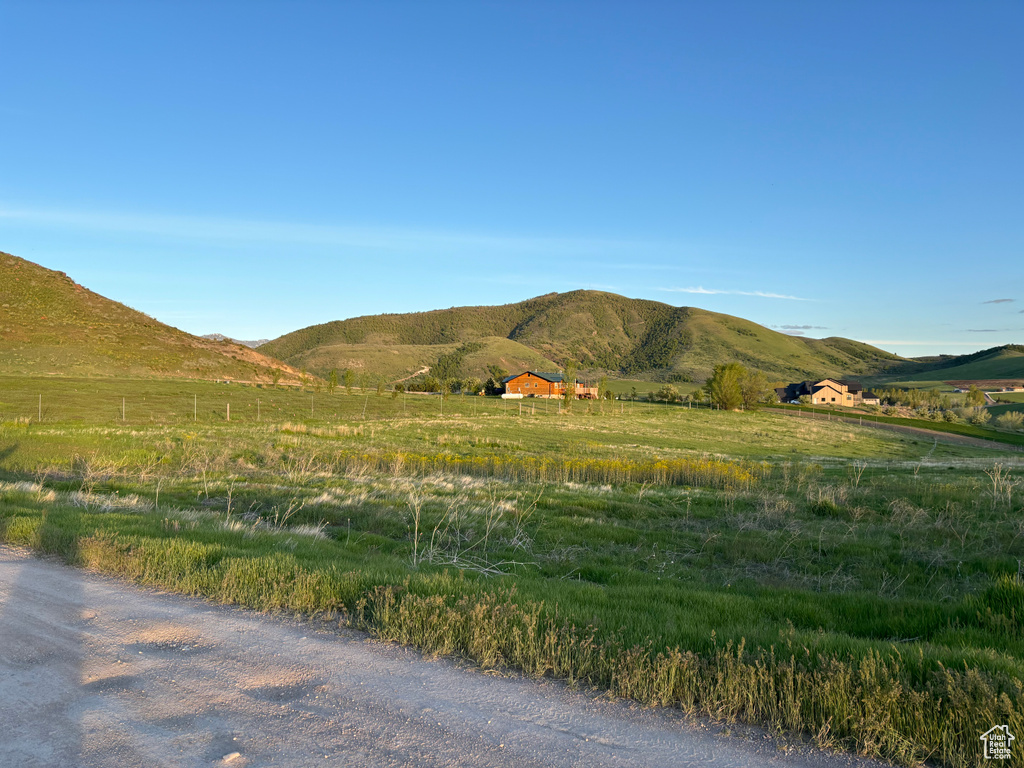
833	399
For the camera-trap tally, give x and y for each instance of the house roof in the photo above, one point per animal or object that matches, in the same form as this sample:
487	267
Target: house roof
870	396
552	377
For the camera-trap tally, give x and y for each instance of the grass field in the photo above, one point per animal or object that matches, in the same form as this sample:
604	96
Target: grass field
855	586
987	432
888	381
624	387
1012	397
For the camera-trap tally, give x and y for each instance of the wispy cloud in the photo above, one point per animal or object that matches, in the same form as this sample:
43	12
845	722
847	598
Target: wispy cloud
904	343
801	327
998	301
214	228
717	291
992	330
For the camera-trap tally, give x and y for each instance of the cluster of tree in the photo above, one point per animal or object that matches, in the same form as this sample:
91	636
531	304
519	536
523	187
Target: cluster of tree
449	365
732	386
495	382
929	398
446	386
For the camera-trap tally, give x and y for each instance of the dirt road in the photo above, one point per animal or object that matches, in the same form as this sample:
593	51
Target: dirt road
94	672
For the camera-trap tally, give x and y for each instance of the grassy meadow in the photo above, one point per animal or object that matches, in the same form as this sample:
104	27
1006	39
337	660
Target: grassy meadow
858	587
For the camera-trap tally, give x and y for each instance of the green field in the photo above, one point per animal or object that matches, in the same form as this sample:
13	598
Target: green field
624	387
1013	397
848	584
987	432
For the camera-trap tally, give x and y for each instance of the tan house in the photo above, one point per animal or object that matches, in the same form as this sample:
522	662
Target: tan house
549	385
838	392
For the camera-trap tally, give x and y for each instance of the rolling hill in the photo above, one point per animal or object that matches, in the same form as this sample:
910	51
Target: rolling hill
602	331
51	325
1004	363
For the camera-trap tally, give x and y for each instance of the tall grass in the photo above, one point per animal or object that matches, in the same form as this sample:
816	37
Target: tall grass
699	472
893	704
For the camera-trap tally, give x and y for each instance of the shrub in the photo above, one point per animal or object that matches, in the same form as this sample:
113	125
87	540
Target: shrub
976	415
1011	420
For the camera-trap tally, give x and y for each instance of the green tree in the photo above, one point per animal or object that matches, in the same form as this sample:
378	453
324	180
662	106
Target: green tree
332	380
349	377
380	386
398	389
632	393
753	389
668	393
975	397
1011	420
569	382
431	384
602	389
725	387
275	376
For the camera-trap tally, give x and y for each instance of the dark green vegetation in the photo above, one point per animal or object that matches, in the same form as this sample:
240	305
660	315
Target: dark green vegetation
601	331
51	325
857	586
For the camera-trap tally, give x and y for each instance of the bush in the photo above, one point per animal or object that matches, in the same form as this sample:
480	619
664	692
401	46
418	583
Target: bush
976	415
1011	420
668	393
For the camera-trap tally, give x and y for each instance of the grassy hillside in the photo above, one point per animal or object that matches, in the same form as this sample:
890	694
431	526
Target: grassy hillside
634	337
1005	363
51	325
400	361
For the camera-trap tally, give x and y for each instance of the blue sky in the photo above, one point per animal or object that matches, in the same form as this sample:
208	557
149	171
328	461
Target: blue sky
850	169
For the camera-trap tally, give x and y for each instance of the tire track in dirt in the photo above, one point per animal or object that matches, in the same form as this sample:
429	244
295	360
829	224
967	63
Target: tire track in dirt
95	672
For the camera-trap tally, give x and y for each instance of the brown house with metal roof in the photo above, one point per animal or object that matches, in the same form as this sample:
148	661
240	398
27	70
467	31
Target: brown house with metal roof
550	385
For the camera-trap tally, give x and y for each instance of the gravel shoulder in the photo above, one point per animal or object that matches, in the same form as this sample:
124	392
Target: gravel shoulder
94	672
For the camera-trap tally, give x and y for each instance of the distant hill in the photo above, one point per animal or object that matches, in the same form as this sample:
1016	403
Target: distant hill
601	331
401	361
1005	363
243	342
51	325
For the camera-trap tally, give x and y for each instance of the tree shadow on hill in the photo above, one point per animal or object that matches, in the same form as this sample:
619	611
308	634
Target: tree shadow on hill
5	453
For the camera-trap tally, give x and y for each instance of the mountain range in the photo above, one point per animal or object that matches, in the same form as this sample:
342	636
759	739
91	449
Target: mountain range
600	331
49	324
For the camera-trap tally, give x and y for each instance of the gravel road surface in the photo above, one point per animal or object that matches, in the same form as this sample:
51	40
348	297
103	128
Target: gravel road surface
95	672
